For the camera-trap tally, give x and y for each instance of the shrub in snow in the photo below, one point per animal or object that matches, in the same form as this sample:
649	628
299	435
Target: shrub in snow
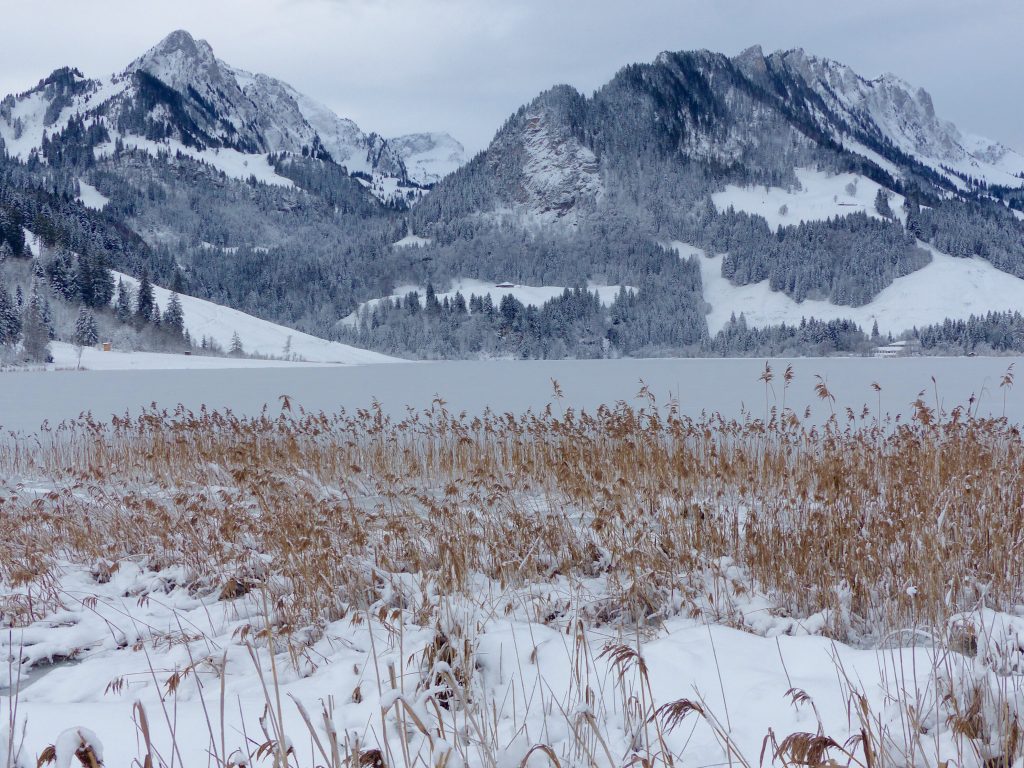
78	742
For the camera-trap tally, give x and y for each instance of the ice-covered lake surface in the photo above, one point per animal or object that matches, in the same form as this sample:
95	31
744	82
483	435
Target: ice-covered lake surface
28	399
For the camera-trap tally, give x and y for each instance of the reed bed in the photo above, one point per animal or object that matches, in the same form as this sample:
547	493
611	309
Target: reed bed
880	525
864	529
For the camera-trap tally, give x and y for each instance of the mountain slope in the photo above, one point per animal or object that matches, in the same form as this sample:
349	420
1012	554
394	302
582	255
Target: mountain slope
756	117
821	186
946	288
180	95
888	109
815	184
206	320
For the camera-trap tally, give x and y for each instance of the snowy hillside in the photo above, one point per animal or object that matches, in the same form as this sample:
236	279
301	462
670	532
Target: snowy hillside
231	162
532	654
260	337
820	196
948	287
91	197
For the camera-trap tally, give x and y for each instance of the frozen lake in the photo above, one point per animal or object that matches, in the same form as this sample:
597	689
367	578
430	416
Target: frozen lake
27	399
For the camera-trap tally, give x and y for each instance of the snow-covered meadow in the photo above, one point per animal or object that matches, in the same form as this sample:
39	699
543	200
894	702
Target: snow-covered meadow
537	680
819	196
258	337
946	288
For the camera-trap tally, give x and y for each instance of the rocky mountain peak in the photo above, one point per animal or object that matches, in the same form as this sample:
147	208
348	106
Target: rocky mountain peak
179	60
180	41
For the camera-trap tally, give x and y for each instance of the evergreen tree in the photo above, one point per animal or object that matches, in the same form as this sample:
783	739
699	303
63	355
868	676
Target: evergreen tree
144	301
123	303
86	332
882	203
102	282
10	323
433	306
236	345
178	282
35	333
459	304
48	318
174	316
62	278
84	280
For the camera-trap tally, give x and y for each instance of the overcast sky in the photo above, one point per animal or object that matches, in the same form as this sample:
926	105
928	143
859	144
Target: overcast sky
462	66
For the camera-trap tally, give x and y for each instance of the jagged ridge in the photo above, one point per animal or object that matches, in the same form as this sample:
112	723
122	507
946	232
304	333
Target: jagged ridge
180	91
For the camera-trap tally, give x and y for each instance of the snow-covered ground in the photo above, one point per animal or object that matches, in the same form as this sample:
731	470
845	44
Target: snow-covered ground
234	164
33	243
529	682
821	196
993	161
91	197
530	295
948	287
260	337
66	357
411	240
856	147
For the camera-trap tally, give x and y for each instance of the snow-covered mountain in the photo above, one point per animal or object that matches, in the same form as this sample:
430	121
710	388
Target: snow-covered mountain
428	157
809	185
816	191
891	110
555	158
180	95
